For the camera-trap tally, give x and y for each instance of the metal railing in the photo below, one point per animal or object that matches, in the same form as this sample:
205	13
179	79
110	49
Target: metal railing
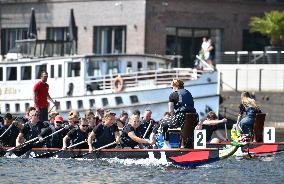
252	57
142	78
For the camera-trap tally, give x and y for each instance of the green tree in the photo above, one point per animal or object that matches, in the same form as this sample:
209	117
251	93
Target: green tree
271	25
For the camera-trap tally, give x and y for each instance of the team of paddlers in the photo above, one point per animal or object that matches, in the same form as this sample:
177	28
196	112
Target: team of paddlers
99	128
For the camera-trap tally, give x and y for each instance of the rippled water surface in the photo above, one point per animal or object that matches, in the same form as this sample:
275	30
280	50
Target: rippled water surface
258	170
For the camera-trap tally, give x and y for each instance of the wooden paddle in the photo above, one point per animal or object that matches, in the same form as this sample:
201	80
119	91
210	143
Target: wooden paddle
98	149
6	131
50	154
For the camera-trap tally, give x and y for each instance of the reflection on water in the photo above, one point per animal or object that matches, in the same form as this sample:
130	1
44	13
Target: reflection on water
257	170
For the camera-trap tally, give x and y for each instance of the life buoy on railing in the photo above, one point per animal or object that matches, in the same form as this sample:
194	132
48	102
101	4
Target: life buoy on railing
118	84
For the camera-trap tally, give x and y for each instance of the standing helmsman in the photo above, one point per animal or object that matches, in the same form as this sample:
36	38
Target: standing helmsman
41	96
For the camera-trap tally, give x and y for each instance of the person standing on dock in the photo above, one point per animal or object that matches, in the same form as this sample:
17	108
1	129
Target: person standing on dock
41	95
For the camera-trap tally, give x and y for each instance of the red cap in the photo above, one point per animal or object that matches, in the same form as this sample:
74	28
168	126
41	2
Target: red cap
58	118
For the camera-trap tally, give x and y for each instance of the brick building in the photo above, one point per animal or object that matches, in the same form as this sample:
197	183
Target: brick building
174	27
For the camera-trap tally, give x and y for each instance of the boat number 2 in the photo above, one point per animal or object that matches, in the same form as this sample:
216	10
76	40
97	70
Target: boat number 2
269	135
199	139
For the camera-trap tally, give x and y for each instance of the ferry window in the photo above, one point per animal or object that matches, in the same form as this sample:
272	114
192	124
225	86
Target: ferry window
39	69
92	103
27	105
94	68
134	99
68	105
129	67
17	107
59	71
139	66
118	100
26	73
112	67
151	66
109	39
74	69
7	107
105	101
1	74
80	104
58	106
51	71
11	73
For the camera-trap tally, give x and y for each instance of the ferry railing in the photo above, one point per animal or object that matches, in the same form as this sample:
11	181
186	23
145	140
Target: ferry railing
142	78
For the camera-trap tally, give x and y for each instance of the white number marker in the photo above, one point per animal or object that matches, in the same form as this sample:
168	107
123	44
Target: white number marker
269	135
199	139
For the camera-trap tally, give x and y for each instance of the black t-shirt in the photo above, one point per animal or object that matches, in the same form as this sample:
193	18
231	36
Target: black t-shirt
126	141
104	135
143	128
9	139
76	136
174	97
32	131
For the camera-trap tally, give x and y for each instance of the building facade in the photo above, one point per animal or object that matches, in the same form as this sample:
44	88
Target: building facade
173	27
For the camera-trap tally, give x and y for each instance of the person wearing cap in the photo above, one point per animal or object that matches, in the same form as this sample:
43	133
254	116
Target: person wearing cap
41	95
55	141
8	138
31	129
77	135
129	136
52	116
180	103
104	133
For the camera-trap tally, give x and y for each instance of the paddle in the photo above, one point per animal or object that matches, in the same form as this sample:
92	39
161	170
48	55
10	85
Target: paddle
32	140
6	130
60	130
226	131
50	154
98	149
147	129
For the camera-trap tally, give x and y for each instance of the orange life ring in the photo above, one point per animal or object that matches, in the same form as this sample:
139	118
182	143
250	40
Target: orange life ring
118	84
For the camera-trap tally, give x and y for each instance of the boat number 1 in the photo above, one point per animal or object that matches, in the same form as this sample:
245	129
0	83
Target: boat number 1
269	135
199	139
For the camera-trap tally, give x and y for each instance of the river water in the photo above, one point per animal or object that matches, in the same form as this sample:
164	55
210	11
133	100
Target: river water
268	169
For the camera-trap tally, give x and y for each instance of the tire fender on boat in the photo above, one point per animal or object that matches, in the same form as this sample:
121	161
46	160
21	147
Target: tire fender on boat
118	84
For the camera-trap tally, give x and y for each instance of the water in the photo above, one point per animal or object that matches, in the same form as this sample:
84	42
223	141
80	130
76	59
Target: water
258	170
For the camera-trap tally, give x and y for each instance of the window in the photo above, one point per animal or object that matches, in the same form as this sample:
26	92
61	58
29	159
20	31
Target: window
92	103
151	66
134	99
58	37
26	72
7	107
254	41
11	74
59	71
58	106
109	39
39	69
94	68
68	105
118	100
9	37
1	74
112	67
27	105
105	102
17	107
51	71
74	69
129	67
80	104
139	66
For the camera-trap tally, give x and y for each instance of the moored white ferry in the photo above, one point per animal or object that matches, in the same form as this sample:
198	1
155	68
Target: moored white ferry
118	82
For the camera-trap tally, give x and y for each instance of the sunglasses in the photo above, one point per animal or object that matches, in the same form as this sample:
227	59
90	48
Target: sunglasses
85	125
58	122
